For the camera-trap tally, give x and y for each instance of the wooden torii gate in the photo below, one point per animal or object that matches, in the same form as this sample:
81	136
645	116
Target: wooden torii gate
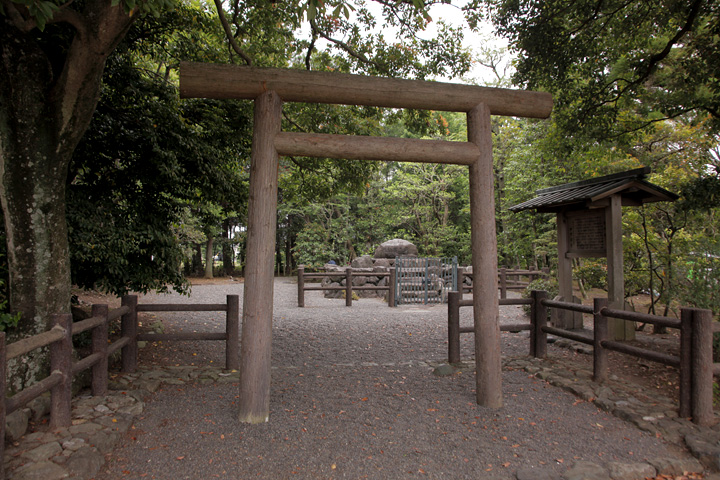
269	88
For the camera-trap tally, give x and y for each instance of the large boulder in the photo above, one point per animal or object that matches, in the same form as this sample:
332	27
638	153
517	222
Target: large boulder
396	247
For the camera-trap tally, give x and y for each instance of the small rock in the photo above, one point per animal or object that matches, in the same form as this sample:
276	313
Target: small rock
16	424
443	370
39	407
74	444
40	471
85	463
631	471
676	466
43	452
583	470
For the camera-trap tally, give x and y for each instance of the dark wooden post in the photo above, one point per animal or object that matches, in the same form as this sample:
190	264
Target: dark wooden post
503	282
255	353
232	330
301	286
488	365
454	327
348	287
128	328
61	362
538	319
100	345
702	368
391	288
601	333
3	389
686	339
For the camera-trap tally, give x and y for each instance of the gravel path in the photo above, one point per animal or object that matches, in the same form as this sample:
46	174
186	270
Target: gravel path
353	396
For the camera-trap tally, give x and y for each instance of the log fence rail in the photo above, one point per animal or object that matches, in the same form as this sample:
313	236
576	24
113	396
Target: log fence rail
695	360
348	275
508	279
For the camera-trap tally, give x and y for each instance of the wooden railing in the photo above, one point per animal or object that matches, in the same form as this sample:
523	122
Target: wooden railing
348	275
695	361
62	368
508	279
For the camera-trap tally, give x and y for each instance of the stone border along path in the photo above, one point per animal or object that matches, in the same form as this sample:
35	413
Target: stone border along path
78	452
100	423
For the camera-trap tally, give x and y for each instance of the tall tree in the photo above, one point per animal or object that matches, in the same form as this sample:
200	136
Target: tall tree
52	56
616	66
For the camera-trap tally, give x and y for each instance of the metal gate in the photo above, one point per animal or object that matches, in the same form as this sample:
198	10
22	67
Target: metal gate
424	280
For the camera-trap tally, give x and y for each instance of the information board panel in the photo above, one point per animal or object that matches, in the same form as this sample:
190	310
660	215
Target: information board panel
586	233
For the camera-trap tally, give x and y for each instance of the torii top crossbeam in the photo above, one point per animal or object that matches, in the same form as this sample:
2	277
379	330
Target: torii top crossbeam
269	88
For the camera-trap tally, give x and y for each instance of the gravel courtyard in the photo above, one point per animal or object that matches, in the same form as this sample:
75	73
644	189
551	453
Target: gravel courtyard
354	396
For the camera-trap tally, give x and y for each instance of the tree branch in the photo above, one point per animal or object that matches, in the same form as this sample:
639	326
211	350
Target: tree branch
344	46
229	35
24	23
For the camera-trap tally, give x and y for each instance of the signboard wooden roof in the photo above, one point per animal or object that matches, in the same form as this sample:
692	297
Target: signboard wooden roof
595	192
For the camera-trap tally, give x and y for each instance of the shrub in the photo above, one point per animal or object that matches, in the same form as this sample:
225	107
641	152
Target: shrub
593	274
548	284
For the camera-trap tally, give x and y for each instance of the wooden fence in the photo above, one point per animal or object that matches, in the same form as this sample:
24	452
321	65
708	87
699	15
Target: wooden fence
695	361
348	274
508	279
62	368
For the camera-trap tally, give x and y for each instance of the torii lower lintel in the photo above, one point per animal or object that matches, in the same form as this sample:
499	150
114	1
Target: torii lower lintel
268	89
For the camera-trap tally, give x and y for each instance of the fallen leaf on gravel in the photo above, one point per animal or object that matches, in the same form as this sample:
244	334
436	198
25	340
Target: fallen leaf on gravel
180	458
364	399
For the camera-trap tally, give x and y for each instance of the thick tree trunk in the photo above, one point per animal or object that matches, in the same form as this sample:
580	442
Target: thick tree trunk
45	107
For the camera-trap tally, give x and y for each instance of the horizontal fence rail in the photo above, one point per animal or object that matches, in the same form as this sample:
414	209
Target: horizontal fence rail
695	361
348	275
508	279
58	339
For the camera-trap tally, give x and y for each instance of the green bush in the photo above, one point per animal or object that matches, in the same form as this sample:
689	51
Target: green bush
593	274
548	284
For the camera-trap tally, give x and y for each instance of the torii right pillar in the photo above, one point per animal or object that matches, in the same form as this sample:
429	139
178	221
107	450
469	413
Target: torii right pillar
484	259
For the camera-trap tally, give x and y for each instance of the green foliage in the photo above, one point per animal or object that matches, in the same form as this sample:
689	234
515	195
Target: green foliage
592	273
614	66
144	148
548	284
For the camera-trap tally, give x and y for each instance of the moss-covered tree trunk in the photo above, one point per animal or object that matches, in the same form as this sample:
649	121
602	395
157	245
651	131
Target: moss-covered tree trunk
47	97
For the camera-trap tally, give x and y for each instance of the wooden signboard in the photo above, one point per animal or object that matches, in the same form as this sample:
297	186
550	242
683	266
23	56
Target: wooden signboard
586	233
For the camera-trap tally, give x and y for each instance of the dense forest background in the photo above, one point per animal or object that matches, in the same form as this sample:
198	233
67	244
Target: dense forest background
157	188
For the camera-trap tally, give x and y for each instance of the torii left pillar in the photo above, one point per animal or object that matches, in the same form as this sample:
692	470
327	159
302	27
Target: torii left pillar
255	365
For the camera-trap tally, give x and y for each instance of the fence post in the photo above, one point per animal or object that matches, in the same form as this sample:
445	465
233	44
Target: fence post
702	368
391	288
61	362
454	327
503	282
601	333
686	336
348	287
538	319
232	330
301	286
99	383
3	389
128	328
